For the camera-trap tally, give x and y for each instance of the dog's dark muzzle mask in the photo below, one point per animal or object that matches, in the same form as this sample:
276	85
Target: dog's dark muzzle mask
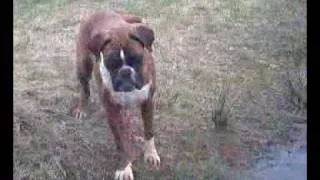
126	80
123	72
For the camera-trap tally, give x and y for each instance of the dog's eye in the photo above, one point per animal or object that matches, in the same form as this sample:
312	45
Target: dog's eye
113	62
134	60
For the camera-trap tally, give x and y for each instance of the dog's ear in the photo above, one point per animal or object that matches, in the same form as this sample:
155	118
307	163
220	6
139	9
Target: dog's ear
98	41
144	35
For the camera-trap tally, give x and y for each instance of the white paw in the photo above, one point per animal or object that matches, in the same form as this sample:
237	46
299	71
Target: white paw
125	174
151	156
79	114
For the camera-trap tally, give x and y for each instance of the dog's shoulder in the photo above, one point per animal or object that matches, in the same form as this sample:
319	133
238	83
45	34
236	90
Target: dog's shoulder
112	15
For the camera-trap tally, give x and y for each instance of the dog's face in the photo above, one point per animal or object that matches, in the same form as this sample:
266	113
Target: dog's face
121	54
123	64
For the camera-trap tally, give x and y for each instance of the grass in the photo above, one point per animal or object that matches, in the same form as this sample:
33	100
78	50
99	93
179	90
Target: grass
243	59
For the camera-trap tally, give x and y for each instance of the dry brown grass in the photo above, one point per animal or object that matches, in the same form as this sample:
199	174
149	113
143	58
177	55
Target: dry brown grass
200	45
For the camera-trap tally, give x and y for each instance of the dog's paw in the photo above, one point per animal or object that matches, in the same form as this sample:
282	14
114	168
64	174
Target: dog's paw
152	159
125	174
151	156
76	109
79	114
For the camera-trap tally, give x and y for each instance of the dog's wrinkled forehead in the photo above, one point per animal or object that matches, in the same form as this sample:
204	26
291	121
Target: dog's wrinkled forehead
122	38
122	42
133	38
125	52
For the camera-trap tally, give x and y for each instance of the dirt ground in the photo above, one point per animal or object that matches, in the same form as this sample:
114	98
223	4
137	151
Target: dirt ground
231	81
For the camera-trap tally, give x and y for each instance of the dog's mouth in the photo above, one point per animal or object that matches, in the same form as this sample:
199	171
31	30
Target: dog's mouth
126	86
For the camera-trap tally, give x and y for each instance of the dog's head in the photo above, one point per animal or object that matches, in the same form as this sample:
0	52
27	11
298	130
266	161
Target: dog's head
121	51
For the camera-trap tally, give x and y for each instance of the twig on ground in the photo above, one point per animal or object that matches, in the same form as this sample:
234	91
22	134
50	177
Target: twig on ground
295	118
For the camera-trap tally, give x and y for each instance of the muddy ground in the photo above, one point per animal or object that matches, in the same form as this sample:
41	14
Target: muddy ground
231	83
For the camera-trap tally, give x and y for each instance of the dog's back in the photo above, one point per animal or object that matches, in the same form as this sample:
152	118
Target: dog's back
94	24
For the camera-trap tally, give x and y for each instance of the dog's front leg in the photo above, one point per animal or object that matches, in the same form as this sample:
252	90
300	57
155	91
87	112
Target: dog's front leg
83	73
119	123
150	152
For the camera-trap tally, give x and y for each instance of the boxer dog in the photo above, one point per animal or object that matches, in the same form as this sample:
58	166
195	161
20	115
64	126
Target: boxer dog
117	49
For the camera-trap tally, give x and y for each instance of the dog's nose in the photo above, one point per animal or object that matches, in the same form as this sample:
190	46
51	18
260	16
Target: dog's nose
125	72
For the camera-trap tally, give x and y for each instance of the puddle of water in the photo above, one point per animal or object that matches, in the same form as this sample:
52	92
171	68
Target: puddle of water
282	165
